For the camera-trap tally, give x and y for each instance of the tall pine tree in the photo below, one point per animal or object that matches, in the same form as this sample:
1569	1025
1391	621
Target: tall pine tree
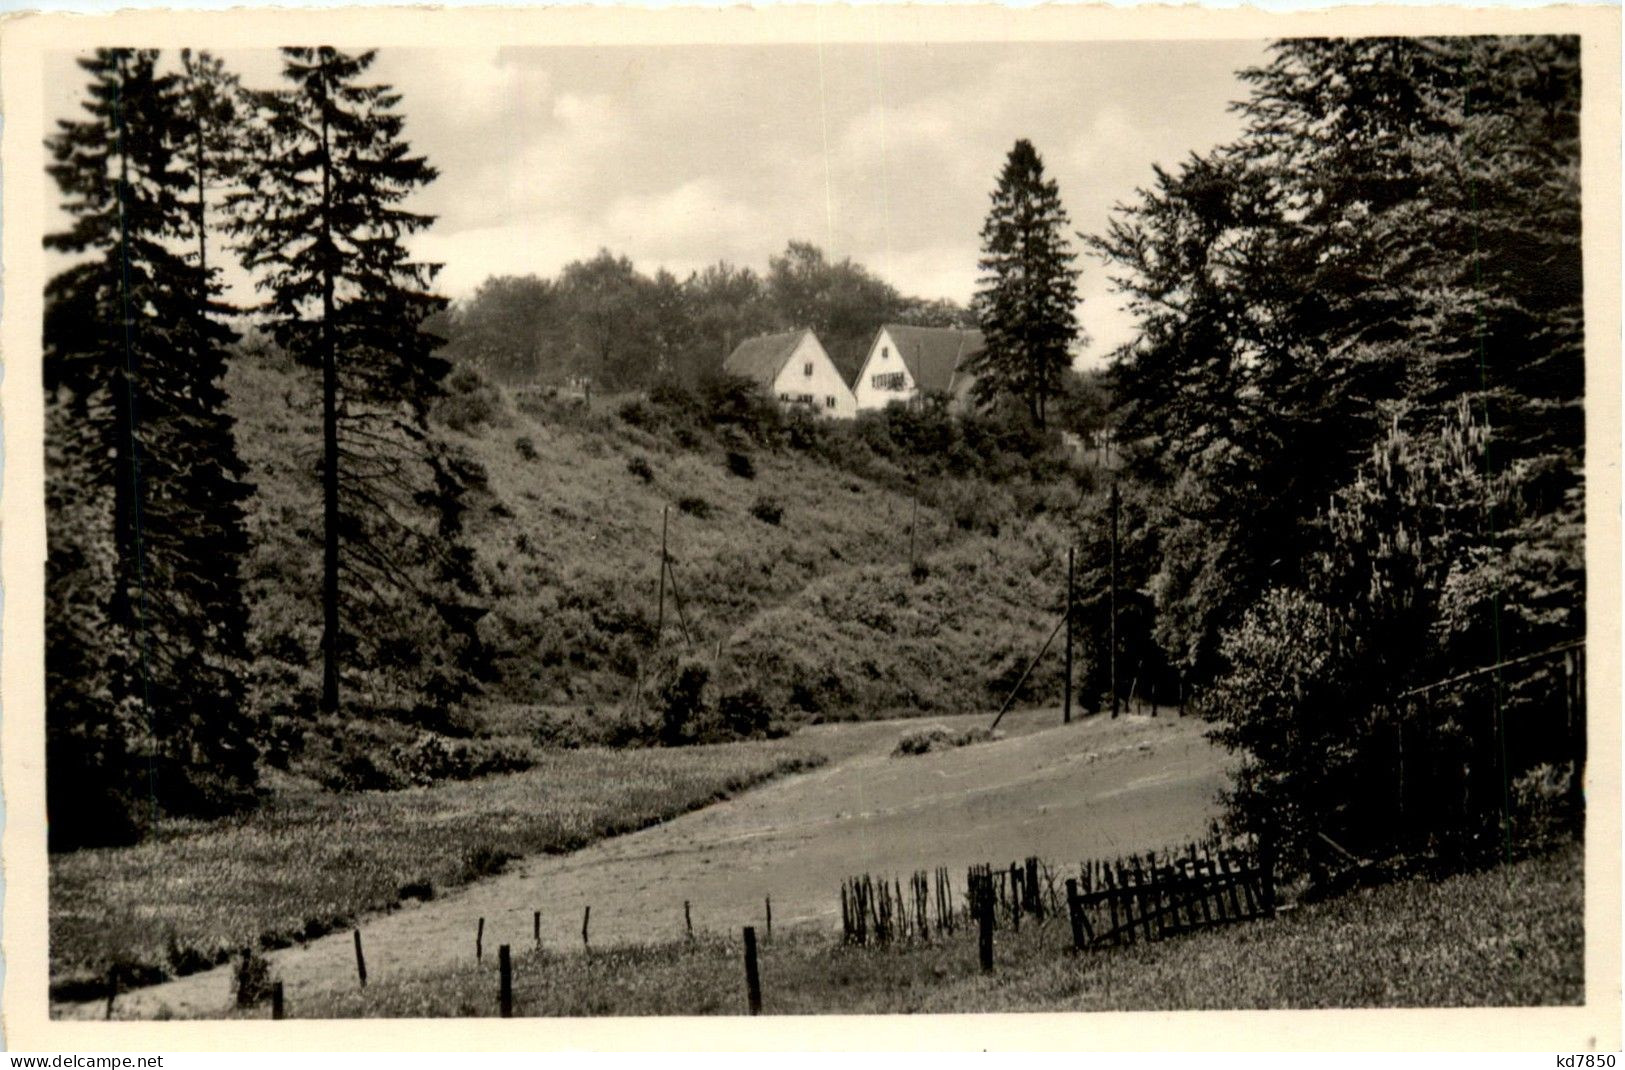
1027	301
147	619
322	220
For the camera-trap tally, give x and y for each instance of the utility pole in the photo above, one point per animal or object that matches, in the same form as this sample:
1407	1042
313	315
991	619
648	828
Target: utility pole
1066	706
1114	597
660	618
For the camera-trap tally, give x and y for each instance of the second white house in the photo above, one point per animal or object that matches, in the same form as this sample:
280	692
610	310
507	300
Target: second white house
908	364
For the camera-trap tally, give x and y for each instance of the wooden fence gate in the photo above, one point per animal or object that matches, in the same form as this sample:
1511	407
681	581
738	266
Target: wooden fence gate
1148	898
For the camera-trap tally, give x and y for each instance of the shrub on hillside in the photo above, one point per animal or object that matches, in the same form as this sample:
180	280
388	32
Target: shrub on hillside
741	465
746	714
767	510
694	506
940	737
525	447
251	979
681	704
470	402
639	466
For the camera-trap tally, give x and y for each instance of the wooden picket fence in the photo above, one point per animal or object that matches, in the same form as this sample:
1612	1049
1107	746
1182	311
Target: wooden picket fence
1117	901
1151	897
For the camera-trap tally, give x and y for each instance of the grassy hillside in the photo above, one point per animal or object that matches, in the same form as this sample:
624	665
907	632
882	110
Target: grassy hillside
791	559
1511	936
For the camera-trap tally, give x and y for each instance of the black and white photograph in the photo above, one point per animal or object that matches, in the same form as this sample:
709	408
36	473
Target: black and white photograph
773	517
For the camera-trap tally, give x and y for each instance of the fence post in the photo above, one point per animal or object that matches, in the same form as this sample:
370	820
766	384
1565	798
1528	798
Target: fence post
360	960
112	990
536	927
769	900
1266	869
1074	910
688	919
753	976
479	942
984	921
277	1009
1066	706
505	972
586	919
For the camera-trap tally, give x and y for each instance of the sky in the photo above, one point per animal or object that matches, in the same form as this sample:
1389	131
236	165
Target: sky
680	156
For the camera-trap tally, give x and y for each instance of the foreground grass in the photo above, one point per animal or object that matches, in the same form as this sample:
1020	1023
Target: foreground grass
1506	937
309	862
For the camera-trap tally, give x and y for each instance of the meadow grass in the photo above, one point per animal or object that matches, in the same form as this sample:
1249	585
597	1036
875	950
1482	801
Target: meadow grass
309	861
1510	936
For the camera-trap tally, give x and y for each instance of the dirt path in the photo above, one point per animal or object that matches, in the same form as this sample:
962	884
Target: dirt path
1093	788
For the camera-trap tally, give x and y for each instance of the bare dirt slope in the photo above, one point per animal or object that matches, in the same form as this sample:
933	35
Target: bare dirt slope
1094	788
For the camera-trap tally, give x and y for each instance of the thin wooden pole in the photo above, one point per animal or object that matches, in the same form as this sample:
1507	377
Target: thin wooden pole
479	941
278	1009
688	919
984	932
769	900
360	960
1074	911
505	989
660	614
677	600
753	976
586	919
1066	704
1114	598
536	927
1014	691
112	991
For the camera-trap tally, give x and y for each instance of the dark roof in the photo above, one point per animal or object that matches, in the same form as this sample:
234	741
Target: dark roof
760	359
934	356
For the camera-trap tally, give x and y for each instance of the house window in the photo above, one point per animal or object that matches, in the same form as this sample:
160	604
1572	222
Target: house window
806	369
885	352
888	381
829	403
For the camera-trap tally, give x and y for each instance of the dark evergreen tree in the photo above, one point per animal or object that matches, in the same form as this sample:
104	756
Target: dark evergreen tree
1397	228
1027	300
1359	383
147	614
322	219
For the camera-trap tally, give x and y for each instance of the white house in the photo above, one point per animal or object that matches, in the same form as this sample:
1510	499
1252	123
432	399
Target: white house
906	364
793	367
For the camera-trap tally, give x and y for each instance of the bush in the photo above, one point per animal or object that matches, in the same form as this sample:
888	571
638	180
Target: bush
252	978
767	510
681	704
525	447
470	402
356	770
741	465
745	714
484	860
639	466
939	737
694	506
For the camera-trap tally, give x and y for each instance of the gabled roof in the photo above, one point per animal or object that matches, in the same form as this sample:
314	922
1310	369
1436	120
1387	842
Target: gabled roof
761	359
934	356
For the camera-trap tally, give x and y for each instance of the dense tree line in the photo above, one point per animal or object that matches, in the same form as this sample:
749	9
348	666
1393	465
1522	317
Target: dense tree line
604	320
1357	396
147	710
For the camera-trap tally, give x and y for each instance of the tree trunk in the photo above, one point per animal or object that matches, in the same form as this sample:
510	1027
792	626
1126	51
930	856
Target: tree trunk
330	450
